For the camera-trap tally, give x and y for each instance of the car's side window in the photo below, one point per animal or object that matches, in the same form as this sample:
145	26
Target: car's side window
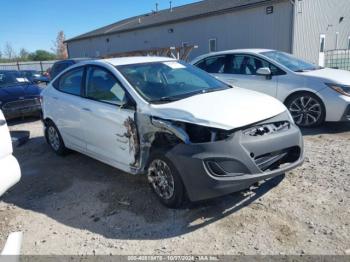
213	65
249	65
102	85
71	82
259	63
241	65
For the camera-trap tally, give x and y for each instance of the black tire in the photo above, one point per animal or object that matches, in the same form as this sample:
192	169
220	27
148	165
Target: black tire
58	146
177	198
310	113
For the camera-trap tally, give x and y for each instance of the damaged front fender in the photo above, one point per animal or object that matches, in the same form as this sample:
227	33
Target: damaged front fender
167	126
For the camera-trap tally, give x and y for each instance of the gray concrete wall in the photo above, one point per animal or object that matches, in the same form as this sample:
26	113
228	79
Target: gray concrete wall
247	28
316	17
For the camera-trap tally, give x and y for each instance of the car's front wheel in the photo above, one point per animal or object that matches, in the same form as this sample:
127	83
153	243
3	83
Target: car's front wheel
306	109
165	181
54	139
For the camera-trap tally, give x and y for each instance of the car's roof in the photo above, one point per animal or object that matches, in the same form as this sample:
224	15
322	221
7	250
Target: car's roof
234	51
75	60
135	60
247	50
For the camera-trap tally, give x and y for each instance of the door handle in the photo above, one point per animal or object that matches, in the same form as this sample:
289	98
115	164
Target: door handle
2	122
86	109
55	97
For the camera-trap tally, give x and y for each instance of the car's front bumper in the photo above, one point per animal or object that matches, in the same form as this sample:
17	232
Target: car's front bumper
346	115
337	105
21	108
239	157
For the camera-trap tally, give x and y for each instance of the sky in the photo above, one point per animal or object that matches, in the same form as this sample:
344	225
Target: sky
34	24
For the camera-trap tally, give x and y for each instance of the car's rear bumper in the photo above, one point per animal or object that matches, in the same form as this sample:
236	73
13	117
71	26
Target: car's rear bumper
239	160
10	173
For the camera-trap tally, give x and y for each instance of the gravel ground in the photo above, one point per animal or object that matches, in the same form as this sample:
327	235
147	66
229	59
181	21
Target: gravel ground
76	205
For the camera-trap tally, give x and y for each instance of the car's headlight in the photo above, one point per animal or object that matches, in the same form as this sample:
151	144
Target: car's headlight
342	89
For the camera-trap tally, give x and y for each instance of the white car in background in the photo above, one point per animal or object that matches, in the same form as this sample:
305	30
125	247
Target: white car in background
10	174
311	93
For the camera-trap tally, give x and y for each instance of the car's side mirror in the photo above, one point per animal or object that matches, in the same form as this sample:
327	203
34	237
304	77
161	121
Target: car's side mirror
128	104
264	71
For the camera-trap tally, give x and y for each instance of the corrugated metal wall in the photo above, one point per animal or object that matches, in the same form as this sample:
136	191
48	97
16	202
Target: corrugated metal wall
316	17
247	28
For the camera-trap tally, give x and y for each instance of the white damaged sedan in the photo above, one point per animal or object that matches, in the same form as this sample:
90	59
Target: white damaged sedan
191	134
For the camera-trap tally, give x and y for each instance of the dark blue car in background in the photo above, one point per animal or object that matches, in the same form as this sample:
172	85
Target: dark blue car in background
18	96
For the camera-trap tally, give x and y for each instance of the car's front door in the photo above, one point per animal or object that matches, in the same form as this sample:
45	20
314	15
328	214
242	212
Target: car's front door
106	121
241	70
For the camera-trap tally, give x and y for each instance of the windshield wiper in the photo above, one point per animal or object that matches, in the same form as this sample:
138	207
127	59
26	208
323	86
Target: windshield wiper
309	69
165	99
187	95
214	89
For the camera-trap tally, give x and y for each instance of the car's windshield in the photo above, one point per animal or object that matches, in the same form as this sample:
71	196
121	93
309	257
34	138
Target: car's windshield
291	62
169	81
10	78
31	73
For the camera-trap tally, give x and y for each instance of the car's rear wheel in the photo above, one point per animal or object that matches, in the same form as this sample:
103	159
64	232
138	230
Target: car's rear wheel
165	181
54	139
306	109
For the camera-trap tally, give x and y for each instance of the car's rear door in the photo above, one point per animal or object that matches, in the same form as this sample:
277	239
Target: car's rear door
65	107
106	122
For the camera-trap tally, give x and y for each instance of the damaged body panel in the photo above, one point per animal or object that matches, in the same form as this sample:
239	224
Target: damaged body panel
188	132
215	167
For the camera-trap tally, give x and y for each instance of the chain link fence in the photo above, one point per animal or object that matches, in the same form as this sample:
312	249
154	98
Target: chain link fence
339	59
41	66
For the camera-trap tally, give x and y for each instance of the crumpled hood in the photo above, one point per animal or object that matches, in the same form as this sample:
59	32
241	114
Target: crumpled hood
330	75
227	109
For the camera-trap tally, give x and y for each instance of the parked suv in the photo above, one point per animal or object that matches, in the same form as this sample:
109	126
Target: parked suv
192	134
311	93
61	65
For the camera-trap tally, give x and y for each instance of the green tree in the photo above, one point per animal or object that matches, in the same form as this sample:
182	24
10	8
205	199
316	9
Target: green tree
23	54
41	55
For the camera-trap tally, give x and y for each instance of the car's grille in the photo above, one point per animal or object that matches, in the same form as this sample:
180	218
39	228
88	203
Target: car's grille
276	160
267	129
21	104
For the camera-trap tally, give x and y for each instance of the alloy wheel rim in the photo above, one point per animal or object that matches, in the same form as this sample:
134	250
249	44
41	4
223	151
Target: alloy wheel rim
53	138
161	179
305	110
